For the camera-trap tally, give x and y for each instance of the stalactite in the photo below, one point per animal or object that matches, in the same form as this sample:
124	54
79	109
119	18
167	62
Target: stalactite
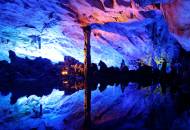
114	3
133	4
87	57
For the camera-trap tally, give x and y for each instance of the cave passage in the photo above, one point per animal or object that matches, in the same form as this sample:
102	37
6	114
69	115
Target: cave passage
94	65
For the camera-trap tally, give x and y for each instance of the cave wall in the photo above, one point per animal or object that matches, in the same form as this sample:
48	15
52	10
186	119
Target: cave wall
178	18
52	29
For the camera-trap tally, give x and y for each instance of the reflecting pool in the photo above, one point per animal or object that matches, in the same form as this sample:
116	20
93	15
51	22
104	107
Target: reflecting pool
115	107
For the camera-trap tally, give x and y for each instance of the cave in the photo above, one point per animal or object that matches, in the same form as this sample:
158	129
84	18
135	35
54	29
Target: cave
94	65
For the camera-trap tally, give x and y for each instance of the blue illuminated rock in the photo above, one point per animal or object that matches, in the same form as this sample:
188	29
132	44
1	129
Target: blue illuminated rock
178	19
52	29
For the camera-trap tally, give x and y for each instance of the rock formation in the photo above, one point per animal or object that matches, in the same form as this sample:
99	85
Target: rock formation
52	29
178	18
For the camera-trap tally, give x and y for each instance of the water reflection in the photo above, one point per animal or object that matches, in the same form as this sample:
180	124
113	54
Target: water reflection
178	97
87	105
39	88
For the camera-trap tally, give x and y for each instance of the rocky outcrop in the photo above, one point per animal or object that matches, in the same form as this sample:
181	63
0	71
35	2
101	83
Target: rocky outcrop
52	29
178	18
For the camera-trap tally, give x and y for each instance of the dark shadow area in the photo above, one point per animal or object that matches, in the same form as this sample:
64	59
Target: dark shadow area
25	77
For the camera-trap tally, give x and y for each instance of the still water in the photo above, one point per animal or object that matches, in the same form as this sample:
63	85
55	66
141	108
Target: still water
115	107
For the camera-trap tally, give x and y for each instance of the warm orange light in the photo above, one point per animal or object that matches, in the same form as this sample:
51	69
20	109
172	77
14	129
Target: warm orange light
64	72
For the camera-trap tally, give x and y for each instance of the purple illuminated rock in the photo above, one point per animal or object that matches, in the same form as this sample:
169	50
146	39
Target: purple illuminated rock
178	18
121	32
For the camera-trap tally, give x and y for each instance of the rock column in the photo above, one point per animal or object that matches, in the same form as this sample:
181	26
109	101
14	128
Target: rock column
87	63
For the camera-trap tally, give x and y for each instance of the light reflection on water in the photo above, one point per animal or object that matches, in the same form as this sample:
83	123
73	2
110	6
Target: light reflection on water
114	107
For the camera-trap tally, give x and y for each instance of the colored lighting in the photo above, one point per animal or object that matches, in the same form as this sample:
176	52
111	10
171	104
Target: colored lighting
64	72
